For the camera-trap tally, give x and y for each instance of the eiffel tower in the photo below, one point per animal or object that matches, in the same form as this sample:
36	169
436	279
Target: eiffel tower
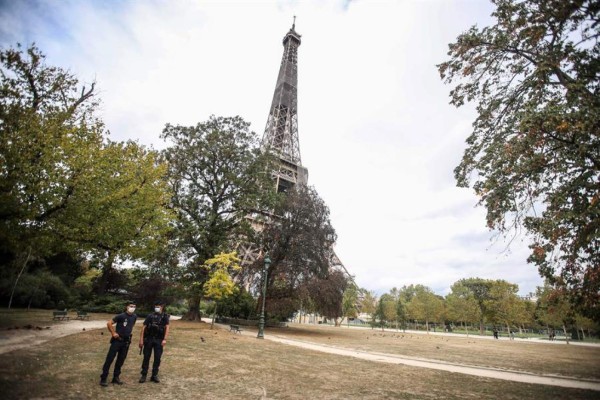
281	132
282	140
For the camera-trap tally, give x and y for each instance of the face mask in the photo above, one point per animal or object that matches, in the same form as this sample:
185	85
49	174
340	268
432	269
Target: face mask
156	309
130	310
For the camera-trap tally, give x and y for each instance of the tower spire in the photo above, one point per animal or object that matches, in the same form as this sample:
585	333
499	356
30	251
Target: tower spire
281	131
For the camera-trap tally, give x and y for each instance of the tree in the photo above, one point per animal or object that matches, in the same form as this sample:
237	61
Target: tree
533	157
218	177
476	290
328	293
299	240
350	303
506	306
48	130
554	310
462	305
386	309
120	209
369	306
219	284
425	305
65	191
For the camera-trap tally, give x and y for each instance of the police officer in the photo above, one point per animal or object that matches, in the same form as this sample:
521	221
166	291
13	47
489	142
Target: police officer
154	337
119	342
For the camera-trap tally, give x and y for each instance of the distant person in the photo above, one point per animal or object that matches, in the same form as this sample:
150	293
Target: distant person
154	338
119	342
495	333
512	335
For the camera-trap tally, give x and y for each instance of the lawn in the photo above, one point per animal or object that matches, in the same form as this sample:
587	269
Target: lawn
225	366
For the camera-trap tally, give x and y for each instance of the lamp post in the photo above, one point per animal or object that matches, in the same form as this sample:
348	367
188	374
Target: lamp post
261	322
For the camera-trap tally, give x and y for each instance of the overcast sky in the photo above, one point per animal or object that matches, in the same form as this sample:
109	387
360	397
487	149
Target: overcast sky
377	134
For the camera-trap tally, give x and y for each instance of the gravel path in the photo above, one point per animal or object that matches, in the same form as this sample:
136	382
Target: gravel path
23	337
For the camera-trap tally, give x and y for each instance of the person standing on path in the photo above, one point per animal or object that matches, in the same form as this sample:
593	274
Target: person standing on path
154	337
119	342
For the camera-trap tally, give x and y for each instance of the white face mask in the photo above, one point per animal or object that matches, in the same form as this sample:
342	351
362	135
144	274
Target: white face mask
156	309
130	310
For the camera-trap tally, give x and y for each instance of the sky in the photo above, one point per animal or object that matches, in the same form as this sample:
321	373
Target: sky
377	133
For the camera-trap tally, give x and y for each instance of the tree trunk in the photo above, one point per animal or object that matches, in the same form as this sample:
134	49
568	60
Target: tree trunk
212	323
566	334
481	327
106	270
193	313
12	293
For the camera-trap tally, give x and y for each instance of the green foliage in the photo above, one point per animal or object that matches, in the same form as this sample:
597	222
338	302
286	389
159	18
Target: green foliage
299	241
40	289
219	284
240	305
350	302
425	305
534	155
218	177
65	191
48	135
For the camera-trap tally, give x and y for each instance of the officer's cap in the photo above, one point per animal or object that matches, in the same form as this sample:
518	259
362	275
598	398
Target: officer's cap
159	302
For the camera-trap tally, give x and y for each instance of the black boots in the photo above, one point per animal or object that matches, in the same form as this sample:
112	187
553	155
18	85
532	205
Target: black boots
153	378
117	381
103	382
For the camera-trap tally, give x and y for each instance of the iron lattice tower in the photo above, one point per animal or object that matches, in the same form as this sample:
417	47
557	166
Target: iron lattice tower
281	133
282	140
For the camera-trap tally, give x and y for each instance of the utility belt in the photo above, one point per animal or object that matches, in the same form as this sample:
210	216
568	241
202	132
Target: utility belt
153	337
124	339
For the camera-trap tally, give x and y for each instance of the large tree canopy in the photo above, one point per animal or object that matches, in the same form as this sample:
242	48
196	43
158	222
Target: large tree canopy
299	240
533	157
64	188
218	177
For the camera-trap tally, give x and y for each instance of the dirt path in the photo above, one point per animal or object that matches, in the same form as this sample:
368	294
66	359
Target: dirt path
486	372
15	339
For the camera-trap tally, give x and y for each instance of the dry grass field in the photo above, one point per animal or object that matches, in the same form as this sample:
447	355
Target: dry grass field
534	357
227	366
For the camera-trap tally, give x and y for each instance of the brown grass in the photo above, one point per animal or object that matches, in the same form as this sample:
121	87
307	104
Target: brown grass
232	366
533	357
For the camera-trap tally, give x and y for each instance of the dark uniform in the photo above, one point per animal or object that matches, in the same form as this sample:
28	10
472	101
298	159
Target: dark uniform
119	346
154	333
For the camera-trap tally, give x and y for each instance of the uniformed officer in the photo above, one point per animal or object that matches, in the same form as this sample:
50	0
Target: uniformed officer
119	342
154	337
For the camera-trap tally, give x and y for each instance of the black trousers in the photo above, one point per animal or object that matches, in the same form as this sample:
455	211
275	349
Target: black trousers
151	344
119	348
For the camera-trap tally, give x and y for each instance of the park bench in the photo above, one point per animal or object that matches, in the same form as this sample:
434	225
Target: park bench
60	315
82	315
235	329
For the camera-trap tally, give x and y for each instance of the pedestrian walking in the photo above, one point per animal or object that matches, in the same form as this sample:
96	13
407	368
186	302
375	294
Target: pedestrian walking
154	338
119	342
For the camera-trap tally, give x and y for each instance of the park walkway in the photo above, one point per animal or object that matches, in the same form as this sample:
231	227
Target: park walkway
486	372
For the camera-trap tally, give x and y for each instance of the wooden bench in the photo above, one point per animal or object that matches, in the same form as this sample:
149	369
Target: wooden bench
60	315
82	315
235	329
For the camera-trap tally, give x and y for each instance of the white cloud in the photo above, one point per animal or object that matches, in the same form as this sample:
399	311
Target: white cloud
376	131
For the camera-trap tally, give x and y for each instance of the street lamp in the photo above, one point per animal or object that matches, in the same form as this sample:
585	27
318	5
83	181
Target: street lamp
261	322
